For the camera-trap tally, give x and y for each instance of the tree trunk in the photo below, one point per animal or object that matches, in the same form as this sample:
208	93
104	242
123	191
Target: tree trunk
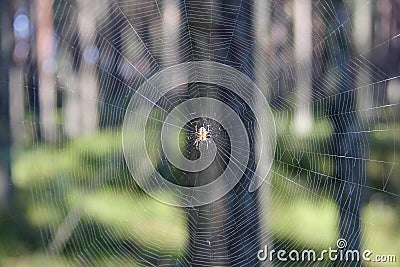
226	232
88	84
303	56
208	245
348	141
46	68
6	187
262	77
171	30
362	38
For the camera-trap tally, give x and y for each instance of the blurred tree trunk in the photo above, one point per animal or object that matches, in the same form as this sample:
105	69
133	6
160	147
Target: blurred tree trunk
226	232
394	44
262	77
71	107
381	56
261	23
170	43
348	141
6	188
88	84
208	244
17	104
362	38
303	57
171	29
80	105
386	52
243	207
46	68
111	60
17	72
7	198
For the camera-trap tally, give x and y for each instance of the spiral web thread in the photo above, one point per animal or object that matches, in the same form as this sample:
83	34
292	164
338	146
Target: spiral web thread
136	40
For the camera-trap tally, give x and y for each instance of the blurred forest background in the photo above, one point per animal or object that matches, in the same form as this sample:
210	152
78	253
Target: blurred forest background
63	180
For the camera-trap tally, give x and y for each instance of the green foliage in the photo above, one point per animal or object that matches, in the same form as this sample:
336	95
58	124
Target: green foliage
88	175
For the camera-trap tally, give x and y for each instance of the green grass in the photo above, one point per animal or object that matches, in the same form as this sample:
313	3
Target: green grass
381	228
147	221
50	162
36	259
314	224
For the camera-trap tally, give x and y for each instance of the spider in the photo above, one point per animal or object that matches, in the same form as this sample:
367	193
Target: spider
202	135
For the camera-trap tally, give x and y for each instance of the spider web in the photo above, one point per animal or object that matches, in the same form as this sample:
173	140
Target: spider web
136	40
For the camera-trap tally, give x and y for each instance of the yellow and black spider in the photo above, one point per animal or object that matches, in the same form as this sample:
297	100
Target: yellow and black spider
202	135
